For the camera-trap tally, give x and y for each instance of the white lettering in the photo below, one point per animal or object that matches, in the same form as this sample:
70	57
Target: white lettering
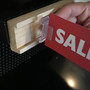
88	55
61	39
70	42
80	48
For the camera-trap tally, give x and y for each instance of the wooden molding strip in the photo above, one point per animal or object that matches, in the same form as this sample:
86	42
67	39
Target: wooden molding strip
25	30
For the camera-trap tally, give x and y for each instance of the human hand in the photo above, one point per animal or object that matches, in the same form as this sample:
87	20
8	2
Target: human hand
77	13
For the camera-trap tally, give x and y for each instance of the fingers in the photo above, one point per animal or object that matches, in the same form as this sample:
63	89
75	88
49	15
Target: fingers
85	15
72	10
77	13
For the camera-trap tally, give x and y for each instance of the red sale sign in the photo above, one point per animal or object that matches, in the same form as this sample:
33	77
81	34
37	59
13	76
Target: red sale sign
70	40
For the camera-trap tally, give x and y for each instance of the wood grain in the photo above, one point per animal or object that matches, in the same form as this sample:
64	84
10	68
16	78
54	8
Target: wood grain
25	30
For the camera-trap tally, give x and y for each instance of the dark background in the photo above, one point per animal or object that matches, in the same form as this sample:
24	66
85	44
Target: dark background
46	70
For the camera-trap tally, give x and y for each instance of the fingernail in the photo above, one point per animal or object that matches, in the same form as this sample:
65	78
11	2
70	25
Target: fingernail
74	19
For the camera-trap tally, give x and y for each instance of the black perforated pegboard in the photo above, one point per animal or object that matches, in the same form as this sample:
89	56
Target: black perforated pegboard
9	60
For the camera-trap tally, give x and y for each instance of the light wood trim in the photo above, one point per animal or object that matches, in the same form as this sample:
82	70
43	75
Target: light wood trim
25	30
